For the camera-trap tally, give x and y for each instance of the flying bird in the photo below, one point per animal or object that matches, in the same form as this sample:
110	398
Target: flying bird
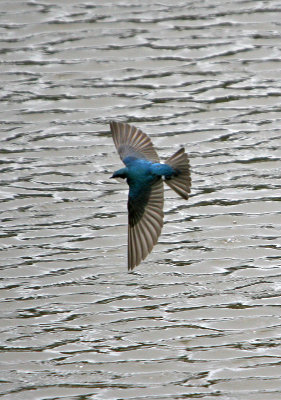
145	175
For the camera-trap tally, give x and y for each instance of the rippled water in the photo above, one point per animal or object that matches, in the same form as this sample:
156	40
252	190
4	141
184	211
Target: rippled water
200	317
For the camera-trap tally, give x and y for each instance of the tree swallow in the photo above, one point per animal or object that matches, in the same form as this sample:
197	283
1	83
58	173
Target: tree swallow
145	175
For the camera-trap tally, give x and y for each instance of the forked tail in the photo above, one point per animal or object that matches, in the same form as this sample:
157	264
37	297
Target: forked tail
180	182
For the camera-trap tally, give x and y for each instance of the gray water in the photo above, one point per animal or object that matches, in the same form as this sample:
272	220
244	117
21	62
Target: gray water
200	317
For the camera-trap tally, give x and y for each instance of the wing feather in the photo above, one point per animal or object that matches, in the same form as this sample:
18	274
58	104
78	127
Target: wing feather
131	141
144	234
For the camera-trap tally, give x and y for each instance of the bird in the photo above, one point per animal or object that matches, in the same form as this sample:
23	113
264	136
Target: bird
145	176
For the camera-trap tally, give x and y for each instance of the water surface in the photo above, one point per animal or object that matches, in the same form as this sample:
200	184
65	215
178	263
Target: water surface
200	317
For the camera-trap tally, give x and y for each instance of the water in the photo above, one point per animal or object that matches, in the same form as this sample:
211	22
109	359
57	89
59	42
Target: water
200	317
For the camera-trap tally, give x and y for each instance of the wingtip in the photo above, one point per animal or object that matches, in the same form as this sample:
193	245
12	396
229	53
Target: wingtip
111	124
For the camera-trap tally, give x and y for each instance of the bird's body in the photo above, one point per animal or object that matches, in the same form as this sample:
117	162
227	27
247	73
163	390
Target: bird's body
145	174
140	171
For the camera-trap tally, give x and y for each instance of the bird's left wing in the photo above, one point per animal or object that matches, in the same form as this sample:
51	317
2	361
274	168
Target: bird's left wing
145	221
130	141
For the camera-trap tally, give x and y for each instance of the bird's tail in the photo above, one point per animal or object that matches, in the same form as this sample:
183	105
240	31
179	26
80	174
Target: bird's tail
180	182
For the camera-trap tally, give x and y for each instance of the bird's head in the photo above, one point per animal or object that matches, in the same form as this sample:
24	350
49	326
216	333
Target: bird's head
121	173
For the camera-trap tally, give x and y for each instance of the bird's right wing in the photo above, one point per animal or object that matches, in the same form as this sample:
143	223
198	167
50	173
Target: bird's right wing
145	222
130	141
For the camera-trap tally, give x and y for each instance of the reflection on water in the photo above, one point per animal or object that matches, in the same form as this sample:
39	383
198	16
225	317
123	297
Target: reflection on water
200	317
